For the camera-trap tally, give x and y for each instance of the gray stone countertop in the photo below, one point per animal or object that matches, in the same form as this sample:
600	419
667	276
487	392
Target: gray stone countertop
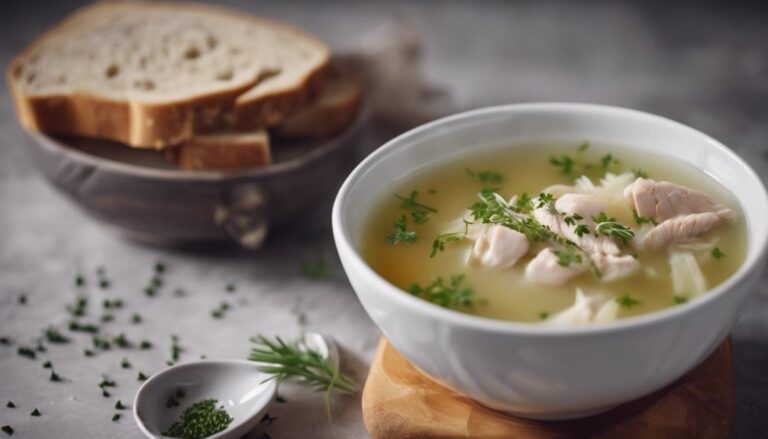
705	65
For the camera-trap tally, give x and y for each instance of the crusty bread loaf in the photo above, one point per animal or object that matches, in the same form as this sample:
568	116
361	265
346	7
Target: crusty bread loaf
152	74
331	112
226	151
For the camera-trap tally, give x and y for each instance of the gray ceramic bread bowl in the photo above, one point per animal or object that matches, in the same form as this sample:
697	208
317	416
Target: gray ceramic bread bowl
140	196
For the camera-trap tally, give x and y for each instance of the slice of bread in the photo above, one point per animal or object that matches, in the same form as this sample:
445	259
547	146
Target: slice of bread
223	152
152	74
331	112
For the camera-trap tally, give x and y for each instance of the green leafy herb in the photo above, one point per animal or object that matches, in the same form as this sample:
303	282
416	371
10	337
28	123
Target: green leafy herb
159	267
100	343
112	304
293	360
200	420
438	245
639	173
10	405
568	255
450	295
121	341
116	417
105	394
6	341
136	318
79	280
717	253
125	364
40	347
401	233
156	281
78	309
607	160
640	220
523	203
104	284
583	146
572	220
88	353
610	227
55	377
119	405
491	177
627	301
54	336
22	299
545	199
35	412
106	382
106	318
175	348
543	315
493	209
7	429
145	344
47	365
141	376
564	162
24	351
219	312
410	203
150	292
80	327
677	300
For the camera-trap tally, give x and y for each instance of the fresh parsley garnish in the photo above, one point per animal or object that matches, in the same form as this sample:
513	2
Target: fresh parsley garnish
401	233
627	301
141	377
491	177
35	412
610	227
24	351
419	212
639	173
563	162
567	255
523	203
677	299
607	160
543	315
450	295
7	429
717	253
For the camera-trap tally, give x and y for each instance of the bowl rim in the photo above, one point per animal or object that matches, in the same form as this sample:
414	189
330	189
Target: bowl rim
356	262
324	147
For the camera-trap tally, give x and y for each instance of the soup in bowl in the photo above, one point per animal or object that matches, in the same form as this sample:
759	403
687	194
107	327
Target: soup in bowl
553	260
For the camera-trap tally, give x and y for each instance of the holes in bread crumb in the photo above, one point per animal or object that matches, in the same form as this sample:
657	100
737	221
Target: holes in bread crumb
226	75
112	71
211	41
144	84
192	52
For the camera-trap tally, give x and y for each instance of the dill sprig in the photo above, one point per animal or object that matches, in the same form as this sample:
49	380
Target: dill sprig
492	177
285	360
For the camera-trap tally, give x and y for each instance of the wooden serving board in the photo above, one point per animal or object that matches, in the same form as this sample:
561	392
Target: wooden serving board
399	402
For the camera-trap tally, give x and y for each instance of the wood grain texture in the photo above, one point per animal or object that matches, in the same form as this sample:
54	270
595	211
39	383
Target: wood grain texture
399	402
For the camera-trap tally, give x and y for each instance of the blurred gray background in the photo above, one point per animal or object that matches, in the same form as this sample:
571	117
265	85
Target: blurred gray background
704	64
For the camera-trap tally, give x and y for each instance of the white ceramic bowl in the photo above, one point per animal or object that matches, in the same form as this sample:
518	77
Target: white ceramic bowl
532	370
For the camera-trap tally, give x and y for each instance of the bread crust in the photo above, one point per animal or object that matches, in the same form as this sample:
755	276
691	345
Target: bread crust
149	124
320	121
222	152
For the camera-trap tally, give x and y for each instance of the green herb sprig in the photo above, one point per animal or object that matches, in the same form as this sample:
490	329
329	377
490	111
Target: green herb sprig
448	295
285	360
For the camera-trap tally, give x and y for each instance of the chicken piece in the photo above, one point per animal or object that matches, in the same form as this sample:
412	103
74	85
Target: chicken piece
613	267
678	229
586	309
586	206
499	246
663	200
545	269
